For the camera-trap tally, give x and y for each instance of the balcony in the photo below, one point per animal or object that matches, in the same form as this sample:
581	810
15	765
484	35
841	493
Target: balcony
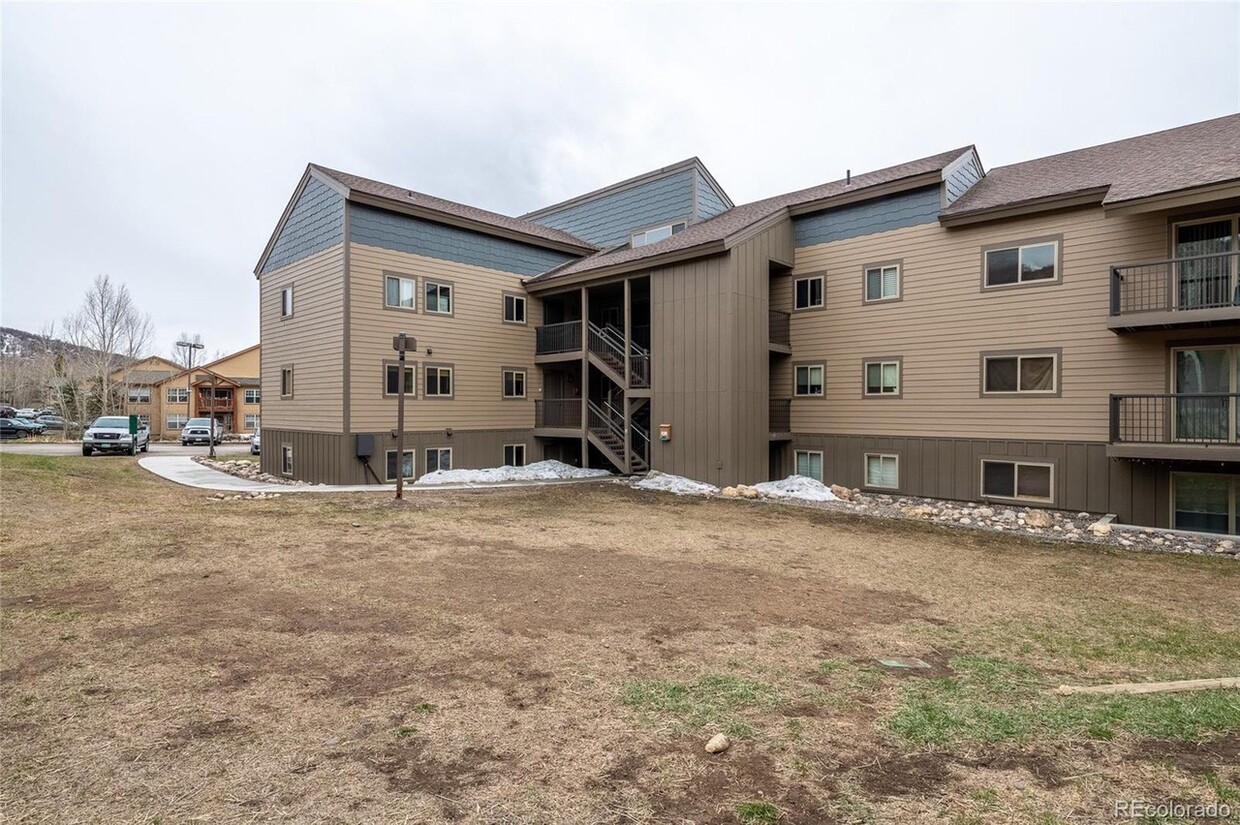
557	416
780	419
1179	292
557	341
780	331
221	402
1175	427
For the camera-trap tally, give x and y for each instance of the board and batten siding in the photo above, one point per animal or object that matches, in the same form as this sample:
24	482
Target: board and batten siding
945	321
473	340
312	341
709	330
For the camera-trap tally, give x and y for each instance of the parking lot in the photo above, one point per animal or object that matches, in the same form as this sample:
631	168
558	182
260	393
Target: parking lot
74	448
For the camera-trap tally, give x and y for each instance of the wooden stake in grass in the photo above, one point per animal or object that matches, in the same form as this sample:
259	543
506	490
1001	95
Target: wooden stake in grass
1152	687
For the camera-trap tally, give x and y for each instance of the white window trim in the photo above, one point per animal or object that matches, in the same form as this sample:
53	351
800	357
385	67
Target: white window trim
525	458
822	292
253	396
525	309
139	395
796	384
400	279
865	470
865	379
1015	480
439	285
426	393
504	383
448	450
796	454
413	464
257	421
1020	249
176	395
1020	356
287	291
411	385
178	424
671	227
880	269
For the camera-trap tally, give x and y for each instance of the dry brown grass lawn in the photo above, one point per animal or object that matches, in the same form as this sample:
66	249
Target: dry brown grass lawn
562	654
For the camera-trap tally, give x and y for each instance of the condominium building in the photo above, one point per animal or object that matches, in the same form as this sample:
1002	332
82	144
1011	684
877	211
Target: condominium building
1062	332
164	395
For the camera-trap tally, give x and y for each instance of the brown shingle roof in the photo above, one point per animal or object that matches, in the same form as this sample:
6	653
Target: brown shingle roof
733	220
399	194
149	376
1183	158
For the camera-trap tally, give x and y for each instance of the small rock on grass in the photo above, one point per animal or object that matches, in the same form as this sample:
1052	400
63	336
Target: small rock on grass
718	743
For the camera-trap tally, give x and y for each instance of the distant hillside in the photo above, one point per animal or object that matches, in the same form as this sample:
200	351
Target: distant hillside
18	343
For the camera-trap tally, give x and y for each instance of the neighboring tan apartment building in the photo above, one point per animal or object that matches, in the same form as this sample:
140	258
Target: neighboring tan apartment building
164	395
1063	332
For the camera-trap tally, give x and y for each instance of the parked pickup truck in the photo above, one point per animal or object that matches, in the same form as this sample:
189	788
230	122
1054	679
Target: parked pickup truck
110	434
201	431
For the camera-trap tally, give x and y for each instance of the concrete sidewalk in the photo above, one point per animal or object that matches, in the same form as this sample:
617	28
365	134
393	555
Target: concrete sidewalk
184	470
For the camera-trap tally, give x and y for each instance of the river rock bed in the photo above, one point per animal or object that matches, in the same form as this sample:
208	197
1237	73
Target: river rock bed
245	469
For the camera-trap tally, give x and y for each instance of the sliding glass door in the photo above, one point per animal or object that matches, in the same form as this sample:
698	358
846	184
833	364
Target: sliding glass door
1205	503
1206	282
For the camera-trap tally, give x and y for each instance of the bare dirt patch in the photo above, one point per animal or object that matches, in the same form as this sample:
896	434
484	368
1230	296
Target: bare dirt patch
466	656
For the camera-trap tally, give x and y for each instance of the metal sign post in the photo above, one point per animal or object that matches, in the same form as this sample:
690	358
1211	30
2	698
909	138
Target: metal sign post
402	344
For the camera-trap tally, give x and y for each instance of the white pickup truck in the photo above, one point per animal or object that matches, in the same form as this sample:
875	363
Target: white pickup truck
110	434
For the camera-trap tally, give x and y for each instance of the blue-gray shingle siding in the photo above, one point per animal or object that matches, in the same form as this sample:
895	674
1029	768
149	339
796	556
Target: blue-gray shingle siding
389	230
868	217
316	223
962	179
710	202
612	218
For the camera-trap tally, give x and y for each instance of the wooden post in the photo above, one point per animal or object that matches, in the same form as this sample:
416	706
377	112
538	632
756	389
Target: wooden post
211	412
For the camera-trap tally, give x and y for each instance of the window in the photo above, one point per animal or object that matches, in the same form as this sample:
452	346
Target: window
882	378
1205	503
251	421
175	421
438	382
514	309
286	302
139	395
808	292
809	380
514	455
1021	264
809	464
514	383
286	459
400	293
177	395
439	298
1023	374
1205	281
253	396
391	380
1022	480
286	382
438	458
144	421
882	471
658	233
407	465
882	283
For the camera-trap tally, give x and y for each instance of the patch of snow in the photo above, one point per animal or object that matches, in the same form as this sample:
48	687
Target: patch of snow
794	486
538	471
678	485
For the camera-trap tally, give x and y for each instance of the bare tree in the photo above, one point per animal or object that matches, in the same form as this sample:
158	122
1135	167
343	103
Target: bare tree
112	335
179	355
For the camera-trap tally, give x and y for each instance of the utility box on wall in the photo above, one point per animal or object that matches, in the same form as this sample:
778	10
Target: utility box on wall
365	445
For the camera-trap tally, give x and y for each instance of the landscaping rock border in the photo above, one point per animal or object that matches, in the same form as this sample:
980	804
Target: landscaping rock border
245	469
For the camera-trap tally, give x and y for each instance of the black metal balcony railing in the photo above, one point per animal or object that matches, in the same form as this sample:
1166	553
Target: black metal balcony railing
553	338
564	413
781	327
1208	418
1177	284
781	415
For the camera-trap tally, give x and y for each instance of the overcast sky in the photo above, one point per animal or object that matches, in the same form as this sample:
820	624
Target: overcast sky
160	143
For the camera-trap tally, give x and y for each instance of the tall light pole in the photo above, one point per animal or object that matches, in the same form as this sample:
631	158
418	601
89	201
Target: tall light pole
189	347
402	343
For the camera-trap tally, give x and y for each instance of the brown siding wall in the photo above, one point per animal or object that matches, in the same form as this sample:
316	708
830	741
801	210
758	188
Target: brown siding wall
473	340
330	458
312	340
710	370
945	321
